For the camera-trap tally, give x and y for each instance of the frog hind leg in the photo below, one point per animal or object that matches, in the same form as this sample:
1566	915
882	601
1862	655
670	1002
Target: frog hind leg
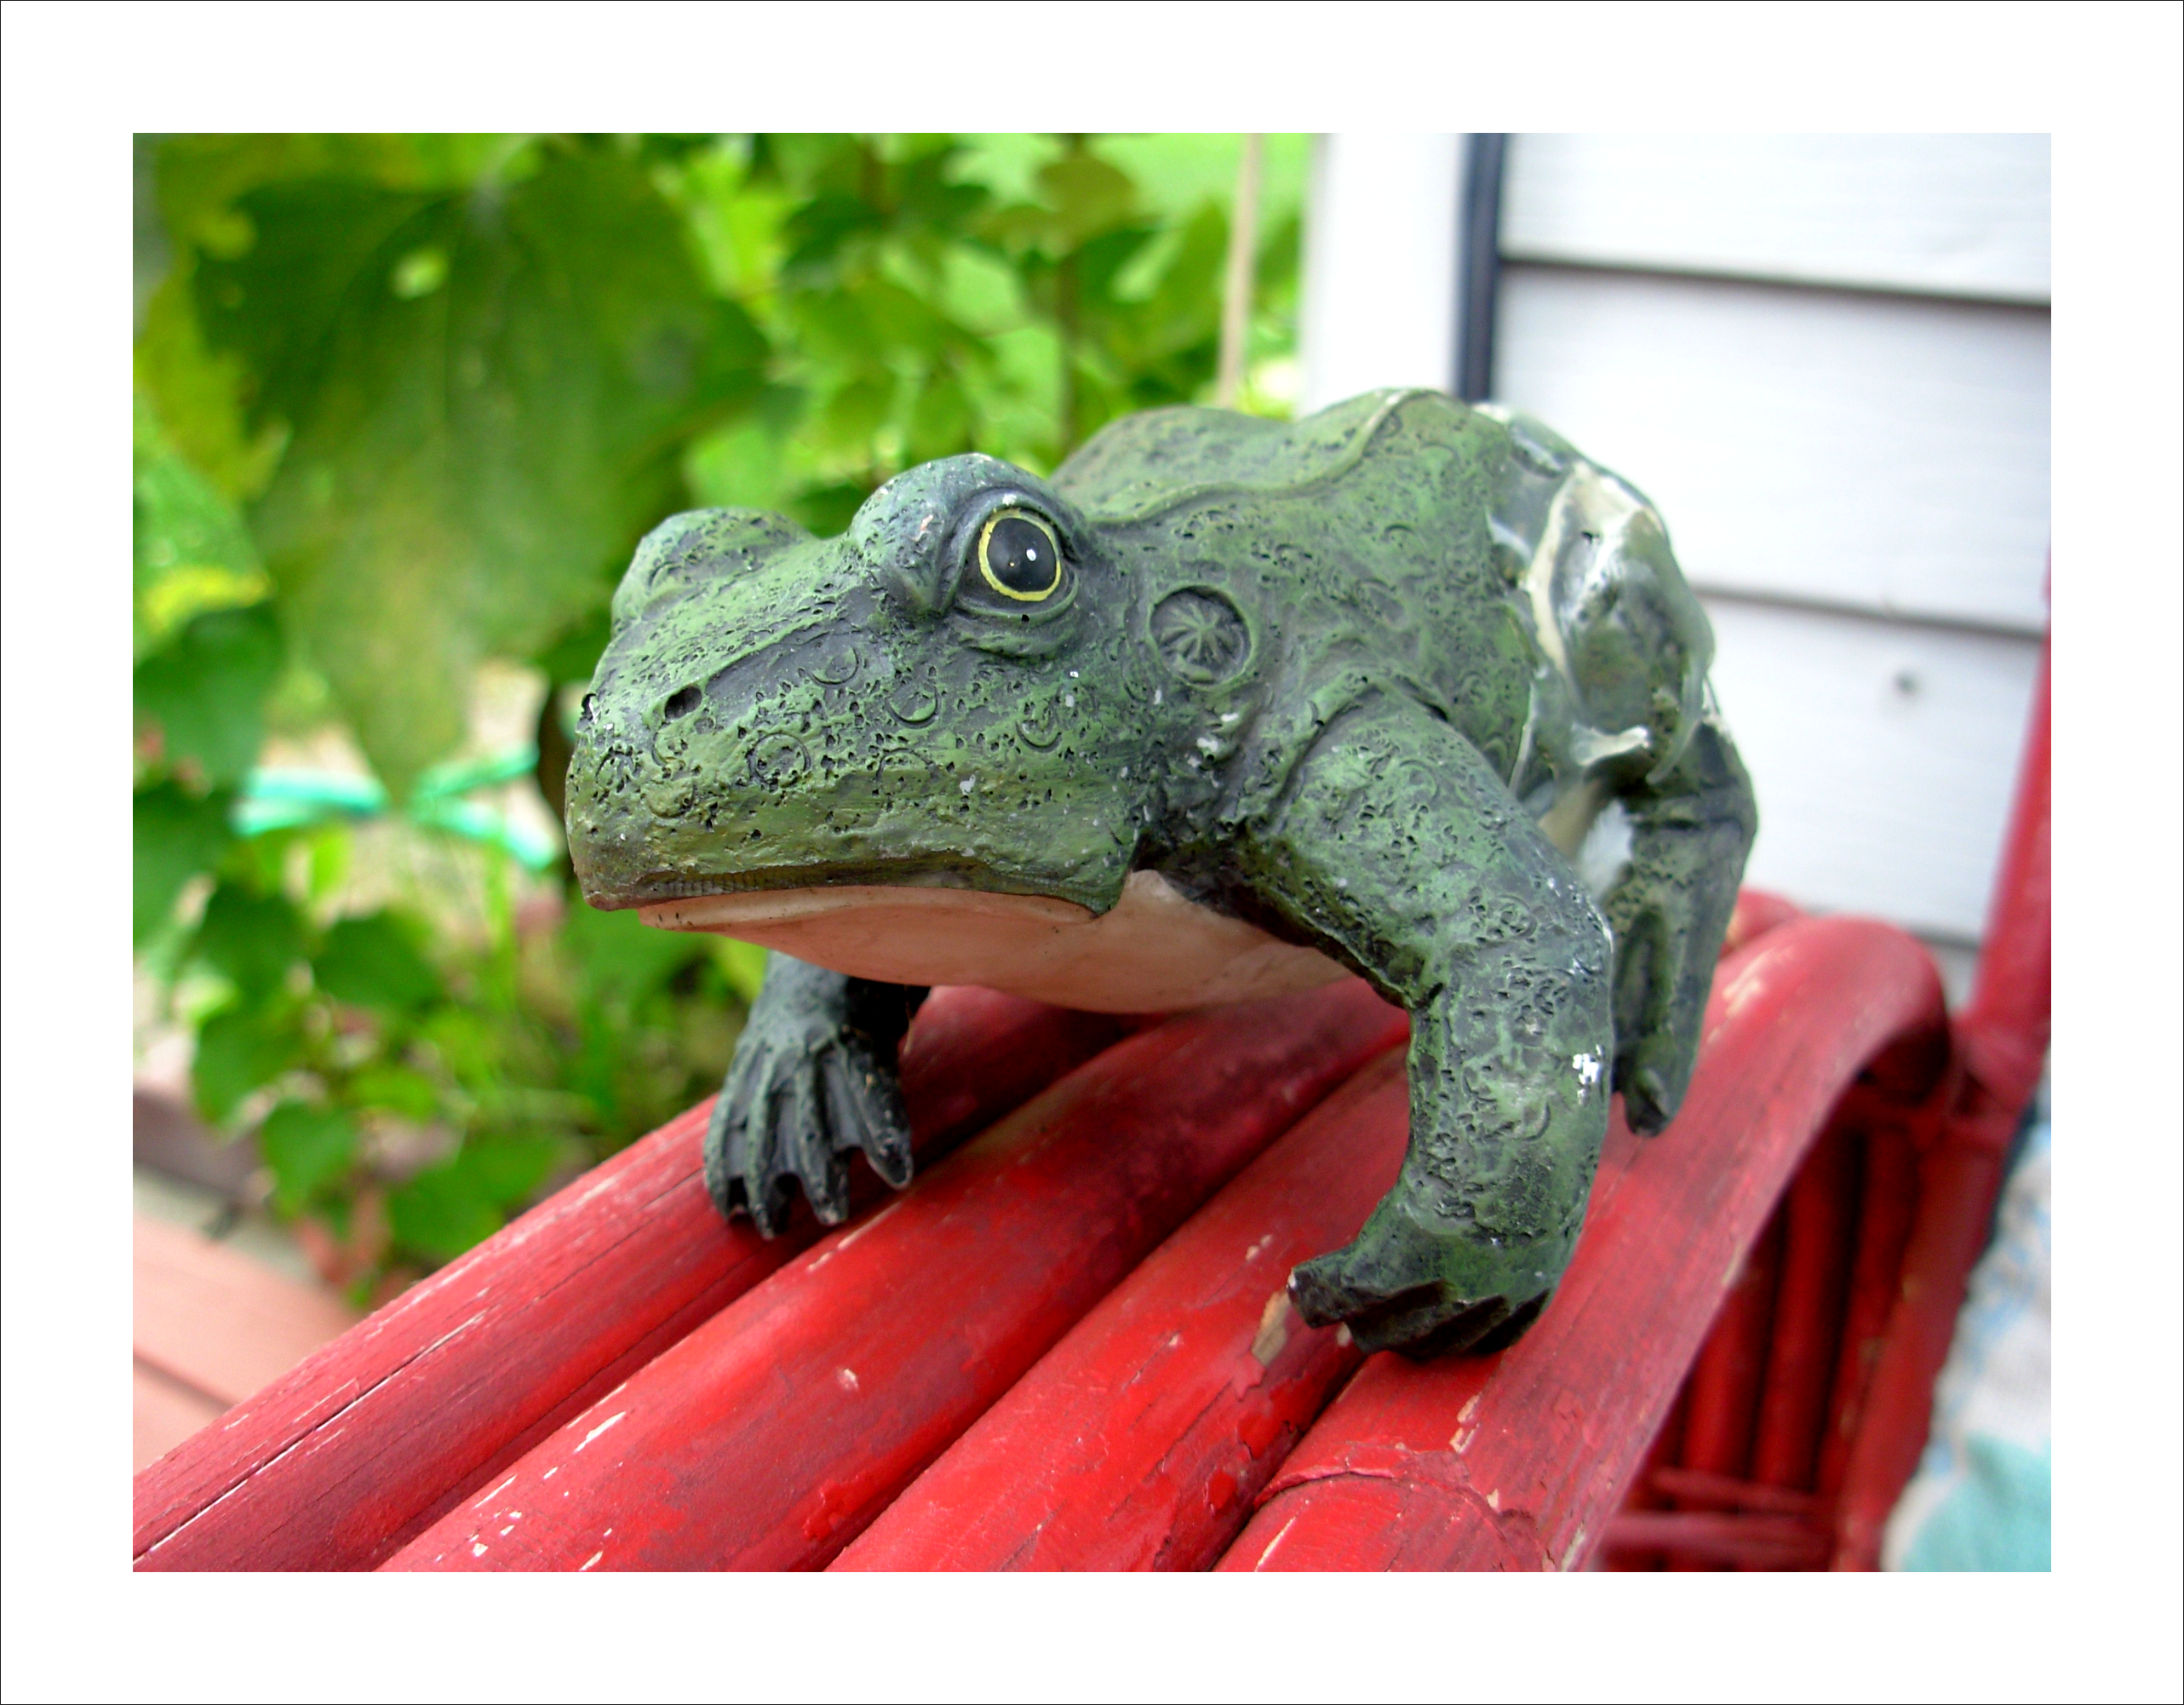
813	1080
1397	845
1669	910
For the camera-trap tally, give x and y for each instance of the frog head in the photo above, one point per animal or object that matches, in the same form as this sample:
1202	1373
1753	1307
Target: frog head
945	696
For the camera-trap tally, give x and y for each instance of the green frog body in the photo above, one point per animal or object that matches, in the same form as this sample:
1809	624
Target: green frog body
1227	707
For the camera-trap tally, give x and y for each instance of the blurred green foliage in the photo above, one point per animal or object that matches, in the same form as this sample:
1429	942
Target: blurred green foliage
406	403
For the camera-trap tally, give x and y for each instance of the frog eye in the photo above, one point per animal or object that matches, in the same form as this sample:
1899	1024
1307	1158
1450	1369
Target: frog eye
1020	557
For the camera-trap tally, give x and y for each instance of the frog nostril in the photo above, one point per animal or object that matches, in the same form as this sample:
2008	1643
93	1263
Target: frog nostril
680	702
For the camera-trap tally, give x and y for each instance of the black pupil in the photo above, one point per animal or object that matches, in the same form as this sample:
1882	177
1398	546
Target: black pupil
1020	555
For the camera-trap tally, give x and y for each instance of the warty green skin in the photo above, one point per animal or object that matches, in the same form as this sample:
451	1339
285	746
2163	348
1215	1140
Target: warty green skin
1330	677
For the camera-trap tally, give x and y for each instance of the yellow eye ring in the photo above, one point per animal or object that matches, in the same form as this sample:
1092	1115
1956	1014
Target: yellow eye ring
1017	574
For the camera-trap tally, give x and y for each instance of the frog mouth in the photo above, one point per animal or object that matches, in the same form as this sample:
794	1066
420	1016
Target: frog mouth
1154	951
772	910
720	891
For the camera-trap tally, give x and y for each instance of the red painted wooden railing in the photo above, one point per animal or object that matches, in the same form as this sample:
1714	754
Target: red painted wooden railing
1141	1439
368	1441
770	1436
1067	1346
1861	1277
1517	1461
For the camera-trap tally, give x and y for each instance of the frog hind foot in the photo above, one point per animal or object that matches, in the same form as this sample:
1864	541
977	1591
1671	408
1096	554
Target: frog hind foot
1427	1293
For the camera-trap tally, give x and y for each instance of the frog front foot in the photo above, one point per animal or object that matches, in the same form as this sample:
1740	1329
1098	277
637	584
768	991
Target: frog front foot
1428	1290
809	1086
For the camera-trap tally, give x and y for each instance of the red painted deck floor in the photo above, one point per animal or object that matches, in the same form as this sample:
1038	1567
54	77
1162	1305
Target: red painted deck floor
211	1326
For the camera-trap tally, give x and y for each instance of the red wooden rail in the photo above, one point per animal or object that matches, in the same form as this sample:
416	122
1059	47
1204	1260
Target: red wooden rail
367	1442
1141	1440
772	1435
2002	1038
1852	1295
1518	1460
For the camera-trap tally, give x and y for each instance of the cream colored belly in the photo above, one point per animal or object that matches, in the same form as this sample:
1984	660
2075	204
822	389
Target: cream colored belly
1154	952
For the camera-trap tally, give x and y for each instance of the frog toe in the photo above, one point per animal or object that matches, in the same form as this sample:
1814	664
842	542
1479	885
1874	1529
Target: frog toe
724	1156
1651	1076
1426	1292
1424	1319
738	1147
808	1151
750	1166
865	1114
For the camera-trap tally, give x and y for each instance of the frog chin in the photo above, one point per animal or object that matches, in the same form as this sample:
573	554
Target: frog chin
1154	951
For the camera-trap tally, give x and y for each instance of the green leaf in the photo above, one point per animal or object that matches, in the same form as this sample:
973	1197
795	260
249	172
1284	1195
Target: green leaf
940	420
241	1047
737	467
398	1089
576	654
817	232
442	1212
327	864
249	937
508	1168
207	689
374	960
471	461
826	509
742	963
176	834
1088	195
191	550
623	958
447	1209
307	1148
850	417
467	1044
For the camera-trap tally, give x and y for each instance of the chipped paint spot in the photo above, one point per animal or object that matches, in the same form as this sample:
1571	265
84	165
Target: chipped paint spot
1587	1067
1470	1408
603	1427
495	1493
1744	988
590	1561
1576	1545
478	1549
855	1232
1460	1440
846	1378
1272	1329
1494	1501
1264	1555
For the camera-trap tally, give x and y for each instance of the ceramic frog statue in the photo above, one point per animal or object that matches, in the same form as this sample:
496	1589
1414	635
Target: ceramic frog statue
1227	707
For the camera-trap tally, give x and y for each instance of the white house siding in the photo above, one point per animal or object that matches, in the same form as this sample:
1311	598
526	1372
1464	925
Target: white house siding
1380	295
1826	358
1961	216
